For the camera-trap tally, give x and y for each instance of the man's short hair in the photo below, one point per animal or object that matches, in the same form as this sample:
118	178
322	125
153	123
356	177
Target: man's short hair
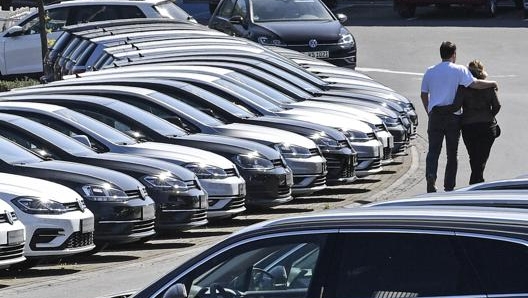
447	49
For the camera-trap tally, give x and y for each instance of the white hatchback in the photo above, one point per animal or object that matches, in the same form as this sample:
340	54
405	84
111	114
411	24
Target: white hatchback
12	236
20	50
56	219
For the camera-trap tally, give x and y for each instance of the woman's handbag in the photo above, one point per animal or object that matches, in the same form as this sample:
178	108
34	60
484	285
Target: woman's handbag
495	128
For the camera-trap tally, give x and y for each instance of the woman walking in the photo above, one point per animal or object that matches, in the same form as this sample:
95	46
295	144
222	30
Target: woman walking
479	126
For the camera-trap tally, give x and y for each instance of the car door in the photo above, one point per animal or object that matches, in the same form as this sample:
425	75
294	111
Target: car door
232	17
288	265
402	264
22	53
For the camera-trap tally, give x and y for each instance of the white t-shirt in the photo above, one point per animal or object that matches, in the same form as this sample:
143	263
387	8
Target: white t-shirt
441	81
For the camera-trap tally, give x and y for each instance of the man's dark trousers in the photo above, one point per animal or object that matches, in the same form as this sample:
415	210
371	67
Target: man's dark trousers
440	126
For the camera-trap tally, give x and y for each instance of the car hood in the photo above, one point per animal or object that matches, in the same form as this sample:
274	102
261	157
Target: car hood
71	173
138	166
303	31
364	105
179	154
334	121
337	109
298	126
12	186
228	146
265	135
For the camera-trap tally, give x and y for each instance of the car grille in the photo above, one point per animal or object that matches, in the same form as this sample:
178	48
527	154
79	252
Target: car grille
199	216
11	251
375	164
143	226
72	206
191	184
314	152
133	194
381	127
343	144
284	191
231	172
277	163
79	239
319	181
236	203
3	217
387	153
371	136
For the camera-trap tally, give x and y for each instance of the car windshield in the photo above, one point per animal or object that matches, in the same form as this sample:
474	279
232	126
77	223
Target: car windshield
289	10
170	10
14	154
52	136
107	132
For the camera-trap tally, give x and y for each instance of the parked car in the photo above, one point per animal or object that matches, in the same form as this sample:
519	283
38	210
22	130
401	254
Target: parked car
181	202
305	26
268	178
341	159
518	183
12	233
123	210
57	222
427	251
20	51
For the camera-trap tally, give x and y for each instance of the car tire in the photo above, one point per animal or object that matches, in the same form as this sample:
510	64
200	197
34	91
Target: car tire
491	8
405	10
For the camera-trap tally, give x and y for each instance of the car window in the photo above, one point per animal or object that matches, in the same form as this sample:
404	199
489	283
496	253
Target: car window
170	10
403	265
56	20
273	10
226	10
274	268
502	266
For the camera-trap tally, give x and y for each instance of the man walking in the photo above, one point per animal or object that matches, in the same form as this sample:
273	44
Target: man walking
439	85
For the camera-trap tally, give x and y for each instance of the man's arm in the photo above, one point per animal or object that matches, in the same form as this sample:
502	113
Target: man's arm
425	100
483	84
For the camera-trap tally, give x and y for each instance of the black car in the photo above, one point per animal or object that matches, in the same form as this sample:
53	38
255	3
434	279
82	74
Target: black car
430	251
180	202
268	178
123	210
305	26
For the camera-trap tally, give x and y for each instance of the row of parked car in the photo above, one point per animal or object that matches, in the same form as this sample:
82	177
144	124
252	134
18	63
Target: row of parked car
159	124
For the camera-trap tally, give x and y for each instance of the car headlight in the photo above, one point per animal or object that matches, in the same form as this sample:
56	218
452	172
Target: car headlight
346	38
270	41
165	181
325	142
104	193
357	136
293	151
253	161
36	205
204	171
389	121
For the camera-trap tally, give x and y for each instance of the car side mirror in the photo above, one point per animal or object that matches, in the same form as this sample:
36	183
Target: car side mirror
342	18
238	19
83	139
176	291
14	31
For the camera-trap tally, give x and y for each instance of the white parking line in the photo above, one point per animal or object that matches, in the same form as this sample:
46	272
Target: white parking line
367	69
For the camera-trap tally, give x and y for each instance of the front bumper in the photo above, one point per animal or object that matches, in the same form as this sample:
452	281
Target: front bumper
123	222
52	235
344	56
401	139
268	188
11	253
309	174
178	211
226	196
341	166
369	157
387	140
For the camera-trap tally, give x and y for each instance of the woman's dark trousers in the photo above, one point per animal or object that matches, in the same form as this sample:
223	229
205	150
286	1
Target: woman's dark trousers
478	138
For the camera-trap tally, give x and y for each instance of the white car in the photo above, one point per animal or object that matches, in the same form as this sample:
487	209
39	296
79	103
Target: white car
20	50
12	236
56	219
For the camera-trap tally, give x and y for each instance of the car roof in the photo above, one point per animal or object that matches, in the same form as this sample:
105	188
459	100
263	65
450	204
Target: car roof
463	218
519	183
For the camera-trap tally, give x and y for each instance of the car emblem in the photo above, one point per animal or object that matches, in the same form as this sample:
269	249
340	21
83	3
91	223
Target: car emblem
312	43
80	202
9	217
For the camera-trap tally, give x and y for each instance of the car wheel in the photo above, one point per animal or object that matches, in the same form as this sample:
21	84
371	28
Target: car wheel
405	10
491	8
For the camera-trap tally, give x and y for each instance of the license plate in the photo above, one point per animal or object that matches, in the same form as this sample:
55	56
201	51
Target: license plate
15	237
242	189
87	225
318	54
149	212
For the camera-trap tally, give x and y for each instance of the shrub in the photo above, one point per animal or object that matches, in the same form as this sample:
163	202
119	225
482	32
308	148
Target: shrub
6	85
